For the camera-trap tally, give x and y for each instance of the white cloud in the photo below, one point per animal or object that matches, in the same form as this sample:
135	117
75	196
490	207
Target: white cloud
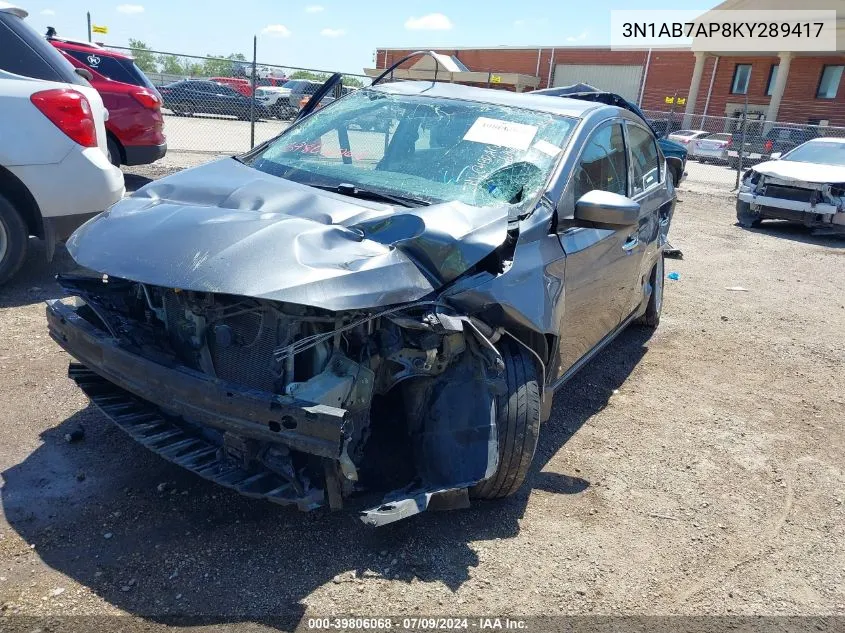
332	32
519	23
314	8
130	9
430	22
48	12
578	38
279	30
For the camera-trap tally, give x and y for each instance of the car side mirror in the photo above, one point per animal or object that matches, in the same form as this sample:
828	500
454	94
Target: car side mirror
775	155
84	73
605	207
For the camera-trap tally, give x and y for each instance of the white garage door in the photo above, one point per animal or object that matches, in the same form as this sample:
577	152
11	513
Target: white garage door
623	80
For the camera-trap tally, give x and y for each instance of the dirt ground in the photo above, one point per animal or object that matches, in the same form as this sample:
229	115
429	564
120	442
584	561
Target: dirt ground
696	471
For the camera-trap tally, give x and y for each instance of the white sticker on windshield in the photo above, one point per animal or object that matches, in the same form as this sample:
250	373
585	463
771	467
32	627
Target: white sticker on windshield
547	148
502	133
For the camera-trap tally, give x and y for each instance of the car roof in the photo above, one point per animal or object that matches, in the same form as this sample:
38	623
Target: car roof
526	101
7	7
828	139
86	47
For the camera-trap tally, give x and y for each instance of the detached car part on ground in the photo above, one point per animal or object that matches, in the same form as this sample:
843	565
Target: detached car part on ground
344	313
806	185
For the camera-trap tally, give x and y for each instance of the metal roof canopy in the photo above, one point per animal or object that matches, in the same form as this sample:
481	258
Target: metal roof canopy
439	67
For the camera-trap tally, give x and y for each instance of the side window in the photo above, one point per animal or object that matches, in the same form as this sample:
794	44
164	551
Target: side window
23	52
644	158
603	164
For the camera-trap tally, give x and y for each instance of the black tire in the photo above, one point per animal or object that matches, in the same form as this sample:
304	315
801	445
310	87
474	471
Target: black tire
517	424
651	316
14	240
745	217
114	152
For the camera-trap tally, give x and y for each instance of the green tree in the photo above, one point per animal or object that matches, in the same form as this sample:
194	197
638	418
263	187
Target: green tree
312	76
221	66
170	64
348	80
144	58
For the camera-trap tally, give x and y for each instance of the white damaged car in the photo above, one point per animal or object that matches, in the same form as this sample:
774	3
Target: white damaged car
807	185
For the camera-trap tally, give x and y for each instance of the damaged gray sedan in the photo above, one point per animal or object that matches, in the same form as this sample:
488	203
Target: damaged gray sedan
372	319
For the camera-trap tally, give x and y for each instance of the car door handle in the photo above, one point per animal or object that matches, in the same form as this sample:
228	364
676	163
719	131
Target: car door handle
633	241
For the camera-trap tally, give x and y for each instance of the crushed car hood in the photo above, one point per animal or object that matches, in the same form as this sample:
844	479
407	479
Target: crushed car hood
803	172
227	228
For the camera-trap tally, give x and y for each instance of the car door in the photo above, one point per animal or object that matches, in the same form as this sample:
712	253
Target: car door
230	100
600	262
648	188
205	97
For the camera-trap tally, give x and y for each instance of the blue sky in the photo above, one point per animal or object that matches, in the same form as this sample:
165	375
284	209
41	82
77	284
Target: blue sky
334	34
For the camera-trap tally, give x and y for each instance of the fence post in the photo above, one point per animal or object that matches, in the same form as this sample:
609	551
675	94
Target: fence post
252	98
741	150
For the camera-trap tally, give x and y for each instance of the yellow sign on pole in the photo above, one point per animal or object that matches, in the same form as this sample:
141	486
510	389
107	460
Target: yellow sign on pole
99	29
681	100
669	99
495	79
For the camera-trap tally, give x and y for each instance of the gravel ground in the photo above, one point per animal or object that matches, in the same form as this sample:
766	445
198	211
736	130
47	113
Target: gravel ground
698	471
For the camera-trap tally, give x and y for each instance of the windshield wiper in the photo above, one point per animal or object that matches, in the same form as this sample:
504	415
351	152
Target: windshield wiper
353	191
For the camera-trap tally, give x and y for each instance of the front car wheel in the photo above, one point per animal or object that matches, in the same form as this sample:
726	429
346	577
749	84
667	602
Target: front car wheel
517	424
745	216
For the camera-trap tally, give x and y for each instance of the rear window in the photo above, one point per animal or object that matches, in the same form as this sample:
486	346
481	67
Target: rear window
719	137
115	68
24	52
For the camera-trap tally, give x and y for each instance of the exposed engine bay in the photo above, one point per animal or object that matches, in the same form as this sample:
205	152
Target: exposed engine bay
392	399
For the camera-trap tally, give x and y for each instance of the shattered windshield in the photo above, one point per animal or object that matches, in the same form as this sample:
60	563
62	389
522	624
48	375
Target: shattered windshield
426	148
822	152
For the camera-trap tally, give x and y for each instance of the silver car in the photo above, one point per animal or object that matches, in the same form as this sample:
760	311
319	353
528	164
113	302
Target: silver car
344	311
713	148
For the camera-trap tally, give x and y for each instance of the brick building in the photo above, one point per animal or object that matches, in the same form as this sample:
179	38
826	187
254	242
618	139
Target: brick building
780	86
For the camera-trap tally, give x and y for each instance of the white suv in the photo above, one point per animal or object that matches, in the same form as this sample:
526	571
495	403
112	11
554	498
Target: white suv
54	172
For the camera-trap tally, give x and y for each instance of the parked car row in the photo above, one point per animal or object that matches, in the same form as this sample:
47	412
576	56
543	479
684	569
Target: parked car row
194	96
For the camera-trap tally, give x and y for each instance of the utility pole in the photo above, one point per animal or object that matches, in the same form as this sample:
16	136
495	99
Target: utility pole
252	99
89	25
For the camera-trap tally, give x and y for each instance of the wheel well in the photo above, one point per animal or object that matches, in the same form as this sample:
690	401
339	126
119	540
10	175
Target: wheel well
119	146
16	192
540	344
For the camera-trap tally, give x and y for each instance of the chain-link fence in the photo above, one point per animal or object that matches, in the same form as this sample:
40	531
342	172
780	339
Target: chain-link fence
719	148
220	105
216	105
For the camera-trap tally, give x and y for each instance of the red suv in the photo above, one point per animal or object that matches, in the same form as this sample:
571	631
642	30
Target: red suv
135	127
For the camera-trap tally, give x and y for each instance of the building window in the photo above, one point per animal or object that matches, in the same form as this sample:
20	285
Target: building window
773	78
829	82
742	73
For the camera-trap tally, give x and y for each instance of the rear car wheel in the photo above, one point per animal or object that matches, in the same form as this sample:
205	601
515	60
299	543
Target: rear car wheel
113	152
14	239
651	317
517	424
745	216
